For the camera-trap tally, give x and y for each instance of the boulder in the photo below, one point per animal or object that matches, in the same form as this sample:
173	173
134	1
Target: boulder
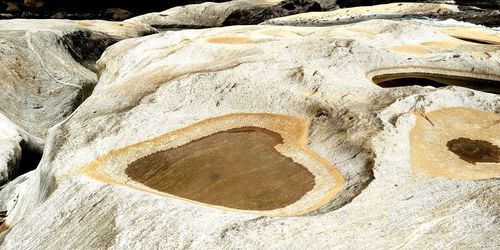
337	110
397	11
361	13
239	12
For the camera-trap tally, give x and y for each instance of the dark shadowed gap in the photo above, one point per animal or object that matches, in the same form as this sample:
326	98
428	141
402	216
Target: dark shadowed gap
473	41
238	168
435	80
29	159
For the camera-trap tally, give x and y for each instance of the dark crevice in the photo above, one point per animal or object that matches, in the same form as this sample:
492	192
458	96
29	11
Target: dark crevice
436	80
409	81
474	41
29	159
86	47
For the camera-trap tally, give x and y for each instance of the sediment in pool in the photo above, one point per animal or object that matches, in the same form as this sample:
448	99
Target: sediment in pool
456	143
238	168
474	151
244	162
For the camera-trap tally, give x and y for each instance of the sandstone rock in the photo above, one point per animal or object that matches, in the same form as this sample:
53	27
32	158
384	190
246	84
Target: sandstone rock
237	12
48	67
10	149
473	34
9	193
391	11
470	134
310	93
357	14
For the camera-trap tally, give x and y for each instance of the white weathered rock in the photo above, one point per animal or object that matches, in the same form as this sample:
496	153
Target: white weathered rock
395	11
362	13
8	196
153	89
10	149
47	67
236	12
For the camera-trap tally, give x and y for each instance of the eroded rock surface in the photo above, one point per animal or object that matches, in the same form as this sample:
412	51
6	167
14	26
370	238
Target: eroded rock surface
48	67
10	149
239	12
395	11
167	91
458	143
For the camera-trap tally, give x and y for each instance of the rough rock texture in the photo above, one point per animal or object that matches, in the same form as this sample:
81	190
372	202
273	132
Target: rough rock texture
8	198
10	149
438	11
161	87
238	12
357	14
47	67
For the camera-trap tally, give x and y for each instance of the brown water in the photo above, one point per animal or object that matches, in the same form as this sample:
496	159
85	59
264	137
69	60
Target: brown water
238	168
474	151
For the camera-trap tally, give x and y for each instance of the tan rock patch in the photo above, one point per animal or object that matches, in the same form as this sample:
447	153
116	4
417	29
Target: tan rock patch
256	163
364	31
475	35
412	49
445	43
457	143
229	40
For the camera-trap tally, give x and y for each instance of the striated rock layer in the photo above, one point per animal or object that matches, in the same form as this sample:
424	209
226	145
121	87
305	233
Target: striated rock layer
49	67
10	149
311	93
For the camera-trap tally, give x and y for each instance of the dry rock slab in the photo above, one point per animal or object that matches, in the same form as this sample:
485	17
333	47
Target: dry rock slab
393	11
239	12
177	89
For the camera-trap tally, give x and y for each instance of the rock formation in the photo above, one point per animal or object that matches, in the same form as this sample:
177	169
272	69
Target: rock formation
10	149
191	103
439	11
380	130
237	12
48	69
